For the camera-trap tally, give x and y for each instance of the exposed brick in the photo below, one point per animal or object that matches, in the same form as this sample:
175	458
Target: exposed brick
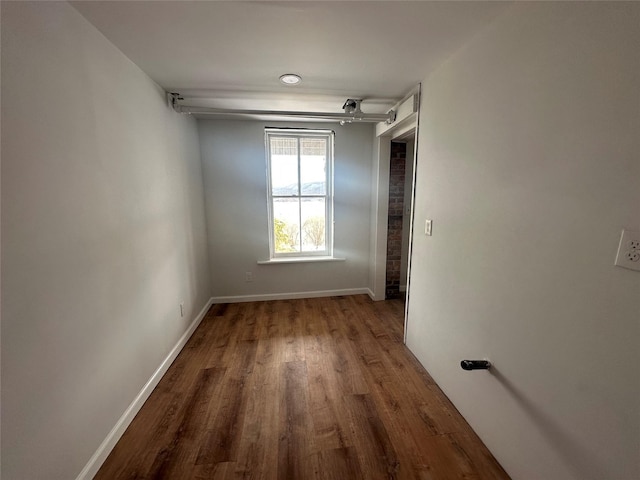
396	210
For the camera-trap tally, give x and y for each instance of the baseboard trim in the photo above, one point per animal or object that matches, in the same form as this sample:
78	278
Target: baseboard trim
372	295
101	454
290	295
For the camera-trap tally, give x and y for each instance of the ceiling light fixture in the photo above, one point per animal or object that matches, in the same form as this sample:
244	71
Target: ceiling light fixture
290	79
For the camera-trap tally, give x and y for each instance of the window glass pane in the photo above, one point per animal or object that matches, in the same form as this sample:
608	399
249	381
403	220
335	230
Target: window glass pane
313	224
284	165
286	225
313	164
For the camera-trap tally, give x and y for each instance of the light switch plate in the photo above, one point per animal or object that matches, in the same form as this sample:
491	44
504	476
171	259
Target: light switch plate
427	227
629	250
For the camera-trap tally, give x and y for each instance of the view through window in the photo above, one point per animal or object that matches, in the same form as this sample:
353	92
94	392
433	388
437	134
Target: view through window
299	164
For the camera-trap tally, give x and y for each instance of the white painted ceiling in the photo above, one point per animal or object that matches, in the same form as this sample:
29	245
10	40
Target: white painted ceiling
231	54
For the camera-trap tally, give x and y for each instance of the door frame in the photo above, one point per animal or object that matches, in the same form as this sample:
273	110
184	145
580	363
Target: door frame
406	122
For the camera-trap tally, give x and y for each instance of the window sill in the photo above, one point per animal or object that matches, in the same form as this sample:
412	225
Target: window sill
300	260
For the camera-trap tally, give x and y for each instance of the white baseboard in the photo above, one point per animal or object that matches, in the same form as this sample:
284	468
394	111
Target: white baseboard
372	295
291	295
98	458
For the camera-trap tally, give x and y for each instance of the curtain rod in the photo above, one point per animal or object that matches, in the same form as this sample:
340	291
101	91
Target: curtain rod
342	117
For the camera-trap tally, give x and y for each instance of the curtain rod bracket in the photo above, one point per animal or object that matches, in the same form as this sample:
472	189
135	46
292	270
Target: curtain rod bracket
391	118
173	98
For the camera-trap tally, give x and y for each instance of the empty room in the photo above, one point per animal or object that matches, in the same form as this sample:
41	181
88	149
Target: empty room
320	240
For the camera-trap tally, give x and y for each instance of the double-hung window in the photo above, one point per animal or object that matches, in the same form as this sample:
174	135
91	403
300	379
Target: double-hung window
300	183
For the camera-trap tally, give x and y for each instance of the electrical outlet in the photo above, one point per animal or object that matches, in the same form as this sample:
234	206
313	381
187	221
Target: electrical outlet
632	255
182	309
629	250
248	277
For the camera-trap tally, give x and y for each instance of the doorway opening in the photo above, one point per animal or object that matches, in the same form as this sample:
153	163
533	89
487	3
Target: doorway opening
399	215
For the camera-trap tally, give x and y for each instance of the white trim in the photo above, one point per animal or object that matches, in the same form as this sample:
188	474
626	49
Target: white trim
101	454
412	214
300	260
406	111
372	296
380	216
291	295
298	134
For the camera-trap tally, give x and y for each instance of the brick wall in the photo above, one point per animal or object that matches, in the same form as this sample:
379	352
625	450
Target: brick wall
396	209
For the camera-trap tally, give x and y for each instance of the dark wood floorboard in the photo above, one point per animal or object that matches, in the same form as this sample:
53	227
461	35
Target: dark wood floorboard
318	389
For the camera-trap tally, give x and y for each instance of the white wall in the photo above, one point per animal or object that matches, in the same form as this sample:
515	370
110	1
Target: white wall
234	171
102	236
529	166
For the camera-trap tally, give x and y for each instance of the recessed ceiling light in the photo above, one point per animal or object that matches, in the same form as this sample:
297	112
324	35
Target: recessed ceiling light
290	79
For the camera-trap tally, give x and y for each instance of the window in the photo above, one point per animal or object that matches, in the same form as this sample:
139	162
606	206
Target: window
300	183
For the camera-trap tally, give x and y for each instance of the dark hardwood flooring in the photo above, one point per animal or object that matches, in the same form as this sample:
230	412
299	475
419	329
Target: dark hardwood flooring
317	388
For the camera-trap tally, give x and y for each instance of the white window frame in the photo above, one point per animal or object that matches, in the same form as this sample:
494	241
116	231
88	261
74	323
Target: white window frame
328	196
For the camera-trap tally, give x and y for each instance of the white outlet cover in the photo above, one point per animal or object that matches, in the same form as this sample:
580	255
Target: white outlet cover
629	250
428	225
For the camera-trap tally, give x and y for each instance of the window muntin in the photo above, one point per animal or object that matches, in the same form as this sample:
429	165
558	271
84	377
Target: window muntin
299	166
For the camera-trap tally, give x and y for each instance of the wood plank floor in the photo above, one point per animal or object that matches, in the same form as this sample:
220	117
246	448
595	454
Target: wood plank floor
299	389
